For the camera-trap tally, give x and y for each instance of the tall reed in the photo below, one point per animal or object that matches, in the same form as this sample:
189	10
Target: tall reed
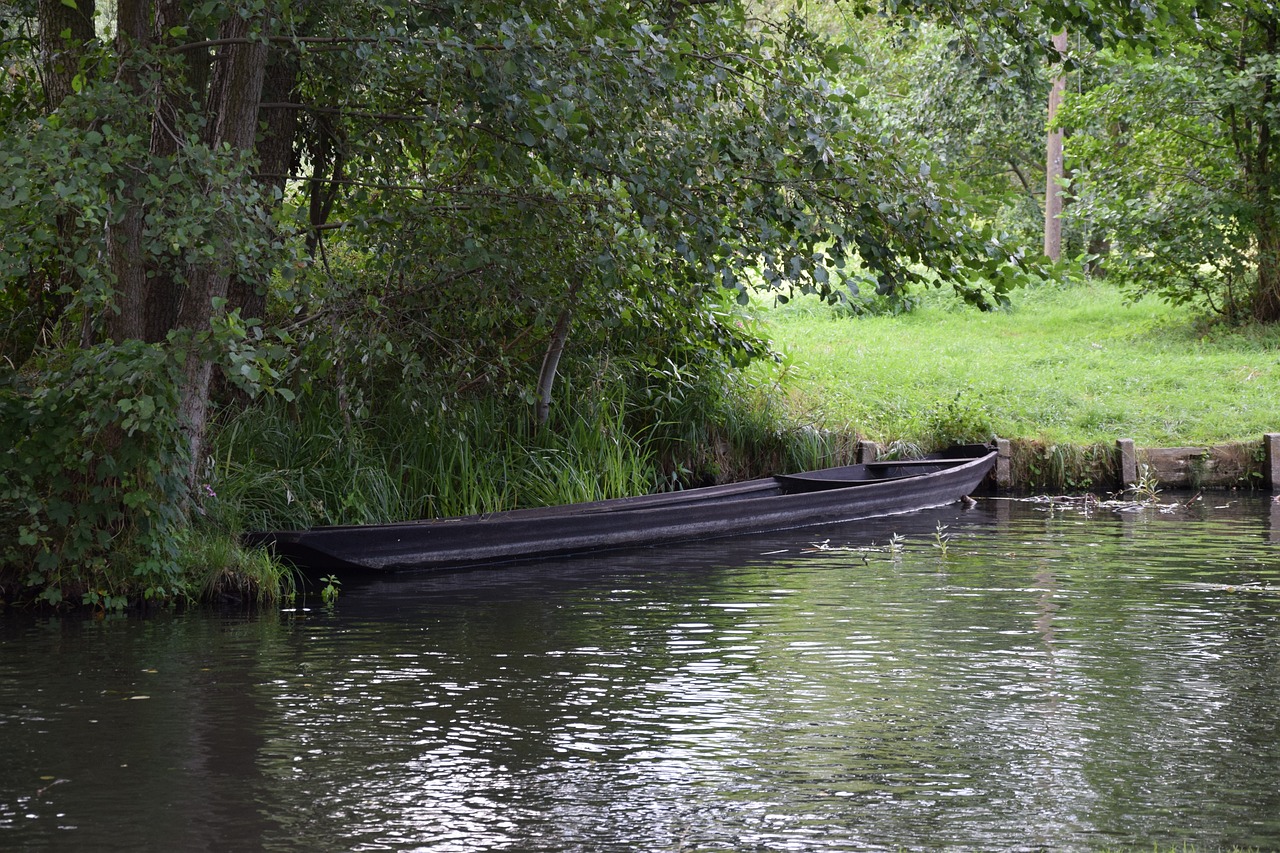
305	465
282	466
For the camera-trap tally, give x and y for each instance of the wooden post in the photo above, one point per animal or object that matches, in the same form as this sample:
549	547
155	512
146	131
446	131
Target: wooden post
1271	460
1004	465
1127	455
868	451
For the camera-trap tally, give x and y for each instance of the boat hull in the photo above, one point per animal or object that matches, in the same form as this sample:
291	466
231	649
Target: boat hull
772	503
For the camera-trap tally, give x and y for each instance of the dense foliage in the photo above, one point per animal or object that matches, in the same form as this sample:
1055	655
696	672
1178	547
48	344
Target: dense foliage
403	205
1150	162
91	497
1172	153
1175	160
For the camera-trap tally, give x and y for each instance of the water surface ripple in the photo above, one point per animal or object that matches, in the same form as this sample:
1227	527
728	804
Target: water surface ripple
1011	677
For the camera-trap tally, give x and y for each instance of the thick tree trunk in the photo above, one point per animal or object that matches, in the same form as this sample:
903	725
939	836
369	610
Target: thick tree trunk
1054	172
163	291
64	30
1266	298
234	95
124	236
275	158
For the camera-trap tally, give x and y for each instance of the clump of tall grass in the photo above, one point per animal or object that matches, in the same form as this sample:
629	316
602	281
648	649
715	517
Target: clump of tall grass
722	428
222	571
961	419
304	466
1041	466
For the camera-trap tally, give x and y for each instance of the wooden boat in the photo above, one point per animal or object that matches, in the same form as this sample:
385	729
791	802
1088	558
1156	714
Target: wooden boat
772	503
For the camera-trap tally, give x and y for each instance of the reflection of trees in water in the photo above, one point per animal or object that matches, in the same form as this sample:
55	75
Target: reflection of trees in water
1053	676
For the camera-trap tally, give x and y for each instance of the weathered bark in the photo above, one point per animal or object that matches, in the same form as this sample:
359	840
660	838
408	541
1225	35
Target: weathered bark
1261	171
1054	172
234	95
59	55
124	236
275	158
1266	298
551	363
163	291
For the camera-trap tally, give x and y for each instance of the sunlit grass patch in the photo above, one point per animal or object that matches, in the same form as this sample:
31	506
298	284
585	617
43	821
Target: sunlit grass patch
1063	364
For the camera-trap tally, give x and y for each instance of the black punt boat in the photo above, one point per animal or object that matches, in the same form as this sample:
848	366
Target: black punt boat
773	503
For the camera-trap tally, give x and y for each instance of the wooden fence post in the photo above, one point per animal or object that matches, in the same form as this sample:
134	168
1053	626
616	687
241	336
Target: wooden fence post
1271	460
1004	465
1128	459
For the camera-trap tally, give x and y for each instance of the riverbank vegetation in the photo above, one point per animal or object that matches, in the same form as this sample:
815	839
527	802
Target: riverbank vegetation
389	216
273	265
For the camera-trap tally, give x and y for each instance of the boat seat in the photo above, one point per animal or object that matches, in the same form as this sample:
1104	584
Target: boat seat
913	463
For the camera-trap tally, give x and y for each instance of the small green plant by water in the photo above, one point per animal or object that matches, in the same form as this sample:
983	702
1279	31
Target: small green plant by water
941	539
329	592
1147	489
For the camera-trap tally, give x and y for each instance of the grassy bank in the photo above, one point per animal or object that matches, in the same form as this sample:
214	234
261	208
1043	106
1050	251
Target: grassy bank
1066	370
1064	365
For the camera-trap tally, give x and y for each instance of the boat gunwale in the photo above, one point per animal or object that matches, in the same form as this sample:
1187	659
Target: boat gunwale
768	488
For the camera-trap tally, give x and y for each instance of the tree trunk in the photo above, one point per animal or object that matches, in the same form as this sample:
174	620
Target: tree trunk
59	55
164	292
1266	298
124	235
234	95
551	363
328	162
275	159
1053	170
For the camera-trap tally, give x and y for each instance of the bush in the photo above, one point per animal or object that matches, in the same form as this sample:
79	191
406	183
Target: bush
960	420
92	477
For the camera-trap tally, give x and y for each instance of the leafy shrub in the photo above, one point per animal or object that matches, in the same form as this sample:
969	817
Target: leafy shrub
960	420
869	300
92	485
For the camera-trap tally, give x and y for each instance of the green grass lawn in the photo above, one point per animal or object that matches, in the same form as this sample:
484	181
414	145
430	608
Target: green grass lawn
1072	365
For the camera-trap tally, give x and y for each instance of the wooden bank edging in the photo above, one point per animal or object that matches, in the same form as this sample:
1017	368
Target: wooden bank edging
1223	466
1029	466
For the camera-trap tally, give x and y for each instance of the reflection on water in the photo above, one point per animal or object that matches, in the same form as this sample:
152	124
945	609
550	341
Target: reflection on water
1050	679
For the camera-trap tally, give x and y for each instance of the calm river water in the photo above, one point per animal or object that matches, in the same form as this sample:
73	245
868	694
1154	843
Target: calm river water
1050	679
